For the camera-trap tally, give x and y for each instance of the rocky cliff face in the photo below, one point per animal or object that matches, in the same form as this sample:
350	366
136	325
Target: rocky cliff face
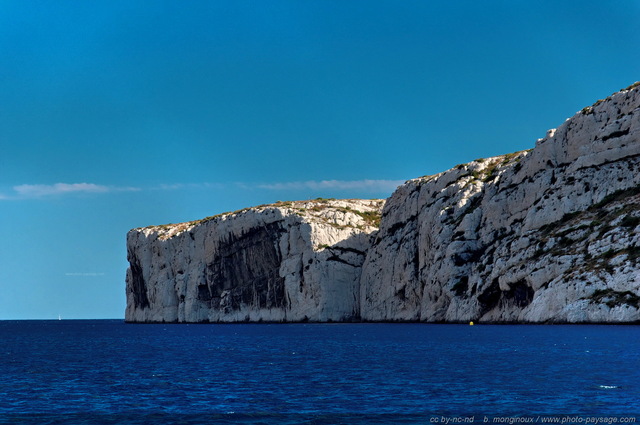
291	261
546	235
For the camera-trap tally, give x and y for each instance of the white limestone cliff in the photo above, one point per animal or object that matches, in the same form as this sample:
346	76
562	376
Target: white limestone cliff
290	261
548	235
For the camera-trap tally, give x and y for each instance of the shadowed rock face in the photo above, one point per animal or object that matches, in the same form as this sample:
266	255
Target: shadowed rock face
546	235
138	286
245	271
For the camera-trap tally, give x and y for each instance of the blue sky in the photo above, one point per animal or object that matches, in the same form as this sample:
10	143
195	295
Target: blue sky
120	114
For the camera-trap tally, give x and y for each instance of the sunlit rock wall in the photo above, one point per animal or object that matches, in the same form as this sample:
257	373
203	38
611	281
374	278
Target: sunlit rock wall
291	261
547	235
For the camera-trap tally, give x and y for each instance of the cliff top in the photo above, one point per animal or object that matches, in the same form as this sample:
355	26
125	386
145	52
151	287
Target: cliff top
485	170
589	109
362	214
479	170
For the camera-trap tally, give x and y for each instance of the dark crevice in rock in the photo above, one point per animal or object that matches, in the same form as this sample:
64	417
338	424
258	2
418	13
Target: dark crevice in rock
246	266
520	293
397	226
613	161
340	260
461	287
615	134
302	268
347	249
138	285
490	297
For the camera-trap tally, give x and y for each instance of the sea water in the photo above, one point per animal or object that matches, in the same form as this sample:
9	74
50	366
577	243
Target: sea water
106	371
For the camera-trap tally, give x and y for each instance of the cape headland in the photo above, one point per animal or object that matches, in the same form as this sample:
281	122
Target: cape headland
548	235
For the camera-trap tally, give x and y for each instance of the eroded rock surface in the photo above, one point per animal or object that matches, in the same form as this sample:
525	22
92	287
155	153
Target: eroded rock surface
290	261
546	235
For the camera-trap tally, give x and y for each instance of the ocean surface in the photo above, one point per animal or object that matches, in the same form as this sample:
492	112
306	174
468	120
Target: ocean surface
106	371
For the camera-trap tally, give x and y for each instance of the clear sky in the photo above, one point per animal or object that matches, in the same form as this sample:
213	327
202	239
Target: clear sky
121	114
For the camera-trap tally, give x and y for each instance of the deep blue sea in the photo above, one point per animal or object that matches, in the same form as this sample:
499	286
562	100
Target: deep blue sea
106	371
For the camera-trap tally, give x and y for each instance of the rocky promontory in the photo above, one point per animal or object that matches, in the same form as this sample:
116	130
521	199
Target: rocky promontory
549	235
289	261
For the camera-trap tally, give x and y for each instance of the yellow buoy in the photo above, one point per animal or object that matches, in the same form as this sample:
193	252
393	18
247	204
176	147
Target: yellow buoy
470	323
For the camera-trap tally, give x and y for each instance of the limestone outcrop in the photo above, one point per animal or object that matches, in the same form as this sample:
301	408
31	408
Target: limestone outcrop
546	235
290	261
